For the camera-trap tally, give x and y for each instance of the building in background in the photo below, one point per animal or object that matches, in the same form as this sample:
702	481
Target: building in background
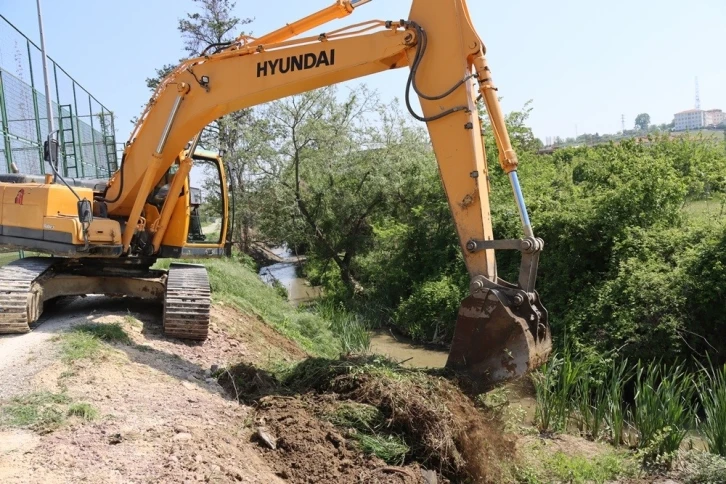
714	117
698	119
86	135
690	119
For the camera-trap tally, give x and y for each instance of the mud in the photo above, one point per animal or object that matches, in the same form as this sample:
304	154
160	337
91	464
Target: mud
405	352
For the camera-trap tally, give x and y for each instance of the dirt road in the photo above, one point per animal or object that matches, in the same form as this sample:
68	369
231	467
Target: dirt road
159	417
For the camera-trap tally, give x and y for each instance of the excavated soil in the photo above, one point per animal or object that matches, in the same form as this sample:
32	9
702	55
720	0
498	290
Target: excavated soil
308	449
446	433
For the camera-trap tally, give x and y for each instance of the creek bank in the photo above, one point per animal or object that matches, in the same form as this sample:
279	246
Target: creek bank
282	266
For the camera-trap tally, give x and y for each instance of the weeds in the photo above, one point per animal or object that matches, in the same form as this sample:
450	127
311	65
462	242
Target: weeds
83	410
600	469
555	388
712	394
350	328
77	346
617	377
545	465
109	333
359	416
696	467
85	341
235	283
390	448
663	409
39	411
366	427
591	403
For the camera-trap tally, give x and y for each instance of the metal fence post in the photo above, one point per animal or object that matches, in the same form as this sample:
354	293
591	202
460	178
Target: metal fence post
6	129
80	157
61	134
93	136
39	136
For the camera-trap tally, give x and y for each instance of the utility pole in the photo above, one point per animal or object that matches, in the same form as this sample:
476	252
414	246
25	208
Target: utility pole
48	101
698	96
622	120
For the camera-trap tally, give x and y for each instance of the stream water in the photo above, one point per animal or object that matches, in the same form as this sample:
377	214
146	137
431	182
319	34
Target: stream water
382	342
298	289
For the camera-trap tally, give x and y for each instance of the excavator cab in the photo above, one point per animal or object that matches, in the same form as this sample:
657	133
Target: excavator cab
208	206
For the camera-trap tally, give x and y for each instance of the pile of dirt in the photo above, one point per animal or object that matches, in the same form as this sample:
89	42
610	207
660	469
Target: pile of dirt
443	428
305	448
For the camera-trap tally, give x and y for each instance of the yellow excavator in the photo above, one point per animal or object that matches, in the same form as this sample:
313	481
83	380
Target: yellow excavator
104	237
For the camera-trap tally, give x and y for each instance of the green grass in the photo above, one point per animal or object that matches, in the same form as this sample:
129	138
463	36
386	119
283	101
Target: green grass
714	208
365	425
83	410
234	281
545	466
87	340
696	467
663	409
359	416
708	134
598	469
391	448
351	329
40	411
109	333
555	386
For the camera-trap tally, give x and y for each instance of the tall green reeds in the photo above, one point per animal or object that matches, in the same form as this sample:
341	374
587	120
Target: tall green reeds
555	386
618	376
712	395
664	408
351	329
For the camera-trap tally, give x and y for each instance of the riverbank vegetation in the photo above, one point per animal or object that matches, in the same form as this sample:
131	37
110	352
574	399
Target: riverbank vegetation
634	232
632	271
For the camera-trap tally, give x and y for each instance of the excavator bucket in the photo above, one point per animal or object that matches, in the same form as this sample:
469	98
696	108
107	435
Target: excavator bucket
502	330
496	341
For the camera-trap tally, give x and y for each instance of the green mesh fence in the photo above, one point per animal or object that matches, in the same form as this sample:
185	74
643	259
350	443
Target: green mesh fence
86	128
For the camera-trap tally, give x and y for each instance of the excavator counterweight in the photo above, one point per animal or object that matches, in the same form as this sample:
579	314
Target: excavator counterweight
146	210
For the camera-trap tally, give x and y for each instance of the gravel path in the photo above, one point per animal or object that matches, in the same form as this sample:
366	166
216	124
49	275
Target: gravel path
25	355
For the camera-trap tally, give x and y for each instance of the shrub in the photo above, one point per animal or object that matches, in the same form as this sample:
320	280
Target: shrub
429	313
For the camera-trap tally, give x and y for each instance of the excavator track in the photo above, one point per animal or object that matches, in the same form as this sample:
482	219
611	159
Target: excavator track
20	296
187	300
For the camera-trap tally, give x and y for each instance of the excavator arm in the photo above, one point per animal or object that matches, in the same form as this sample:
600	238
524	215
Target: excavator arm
502	329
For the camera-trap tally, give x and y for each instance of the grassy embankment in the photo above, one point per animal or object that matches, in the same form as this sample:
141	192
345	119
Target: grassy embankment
324	332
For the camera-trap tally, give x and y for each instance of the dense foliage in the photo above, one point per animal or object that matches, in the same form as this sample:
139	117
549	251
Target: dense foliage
634	231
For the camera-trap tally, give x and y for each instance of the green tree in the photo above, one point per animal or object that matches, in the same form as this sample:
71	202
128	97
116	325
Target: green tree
339	166
642	121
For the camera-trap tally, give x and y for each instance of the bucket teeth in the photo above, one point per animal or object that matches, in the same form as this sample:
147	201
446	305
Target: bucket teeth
496	341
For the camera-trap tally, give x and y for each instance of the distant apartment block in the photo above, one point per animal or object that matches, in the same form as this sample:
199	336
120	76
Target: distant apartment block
714	117
698	118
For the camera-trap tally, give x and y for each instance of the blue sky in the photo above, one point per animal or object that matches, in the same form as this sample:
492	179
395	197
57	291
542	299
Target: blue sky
582	63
